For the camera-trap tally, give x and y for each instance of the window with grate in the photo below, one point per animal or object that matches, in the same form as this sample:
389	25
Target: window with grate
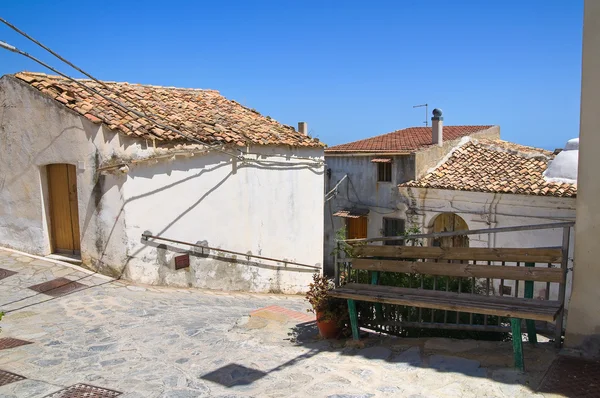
393	227
384	172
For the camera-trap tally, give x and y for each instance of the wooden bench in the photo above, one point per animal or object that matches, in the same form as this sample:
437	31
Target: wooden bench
377	259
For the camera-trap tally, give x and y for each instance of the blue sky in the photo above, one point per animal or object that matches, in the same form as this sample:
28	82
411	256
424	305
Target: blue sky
350	69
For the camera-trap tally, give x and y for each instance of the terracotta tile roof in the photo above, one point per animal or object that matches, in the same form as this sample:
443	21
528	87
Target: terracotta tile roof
495	166
405	140
203	114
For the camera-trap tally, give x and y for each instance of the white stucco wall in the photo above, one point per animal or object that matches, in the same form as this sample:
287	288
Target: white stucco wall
487	210
260	207
271	208
35	132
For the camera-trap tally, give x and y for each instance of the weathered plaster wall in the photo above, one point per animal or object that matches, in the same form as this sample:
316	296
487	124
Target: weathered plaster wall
263	208
362	190
583	327
430	157
487	210
260	207
34	132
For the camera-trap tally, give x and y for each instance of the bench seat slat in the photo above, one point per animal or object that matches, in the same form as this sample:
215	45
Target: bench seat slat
509	300
533	255
489	305
539	274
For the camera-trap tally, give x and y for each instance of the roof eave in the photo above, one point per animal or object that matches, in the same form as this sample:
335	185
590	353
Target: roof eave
539	195
367	153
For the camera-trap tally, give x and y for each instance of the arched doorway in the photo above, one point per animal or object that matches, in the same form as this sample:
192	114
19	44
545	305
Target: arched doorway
450	222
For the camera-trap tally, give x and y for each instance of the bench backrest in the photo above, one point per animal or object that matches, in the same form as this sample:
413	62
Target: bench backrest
394	259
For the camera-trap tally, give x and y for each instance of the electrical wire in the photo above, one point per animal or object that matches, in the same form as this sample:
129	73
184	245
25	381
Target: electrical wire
360	202
333	193
137	113
79	70
13	27
335	188
96	92
123	106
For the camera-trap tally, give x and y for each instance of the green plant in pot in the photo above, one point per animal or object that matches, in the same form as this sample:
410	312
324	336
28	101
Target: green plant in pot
332	312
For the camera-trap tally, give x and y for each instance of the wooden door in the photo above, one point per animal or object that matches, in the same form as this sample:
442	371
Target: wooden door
64	216
356	228
450	222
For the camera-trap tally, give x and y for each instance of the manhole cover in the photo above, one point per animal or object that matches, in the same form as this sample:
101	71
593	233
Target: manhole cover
7	378
9	342
84	391
572	377
4	273
58	287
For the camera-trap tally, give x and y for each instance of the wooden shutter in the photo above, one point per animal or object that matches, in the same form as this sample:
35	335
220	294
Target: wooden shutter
356	228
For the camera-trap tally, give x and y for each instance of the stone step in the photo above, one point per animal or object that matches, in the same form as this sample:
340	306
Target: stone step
67	258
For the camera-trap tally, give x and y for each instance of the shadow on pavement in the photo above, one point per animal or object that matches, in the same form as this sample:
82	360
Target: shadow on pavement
413	355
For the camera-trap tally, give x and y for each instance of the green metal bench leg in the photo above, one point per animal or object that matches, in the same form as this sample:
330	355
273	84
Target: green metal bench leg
353	319
515	324
531	331
378	307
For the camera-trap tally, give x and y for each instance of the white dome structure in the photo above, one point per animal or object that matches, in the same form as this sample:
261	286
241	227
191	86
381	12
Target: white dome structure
563	169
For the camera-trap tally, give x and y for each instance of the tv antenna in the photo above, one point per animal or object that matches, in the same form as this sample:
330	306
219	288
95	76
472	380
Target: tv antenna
426	112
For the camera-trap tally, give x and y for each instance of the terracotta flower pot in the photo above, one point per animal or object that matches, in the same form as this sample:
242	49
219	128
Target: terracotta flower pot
328	329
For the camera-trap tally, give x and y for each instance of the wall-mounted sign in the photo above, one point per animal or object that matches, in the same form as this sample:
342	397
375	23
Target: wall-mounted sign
182	261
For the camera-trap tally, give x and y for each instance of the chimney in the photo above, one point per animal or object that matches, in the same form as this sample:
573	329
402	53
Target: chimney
437	127
303	128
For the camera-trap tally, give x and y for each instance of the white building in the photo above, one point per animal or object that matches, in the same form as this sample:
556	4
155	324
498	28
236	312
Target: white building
82	175
486	184
367	202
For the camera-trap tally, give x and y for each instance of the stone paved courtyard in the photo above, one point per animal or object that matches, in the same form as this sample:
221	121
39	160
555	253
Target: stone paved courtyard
165	342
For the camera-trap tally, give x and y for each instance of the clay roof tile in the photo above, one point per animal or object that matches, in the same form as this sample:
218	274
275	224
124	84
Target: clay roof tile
495	166
405	140
188	110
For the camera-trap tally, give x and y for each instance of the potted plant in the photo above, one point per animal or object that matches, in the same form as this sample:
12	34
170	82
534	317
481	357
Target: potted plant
332	312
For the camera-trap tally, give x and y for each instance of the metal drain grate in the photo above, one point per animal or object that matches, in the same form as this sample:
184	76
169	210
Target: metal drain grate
58	287
573	378
5	273
7	378
84	391
9	342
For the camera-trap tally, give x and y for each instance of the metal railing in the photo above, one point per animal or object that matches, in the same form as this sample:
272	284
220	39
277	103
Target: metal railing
566	224
429	318
147	236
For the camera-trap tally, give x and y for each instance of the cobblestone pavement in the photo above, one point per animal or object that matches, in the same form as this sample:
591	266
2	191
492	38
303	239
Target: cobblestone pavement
165	342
